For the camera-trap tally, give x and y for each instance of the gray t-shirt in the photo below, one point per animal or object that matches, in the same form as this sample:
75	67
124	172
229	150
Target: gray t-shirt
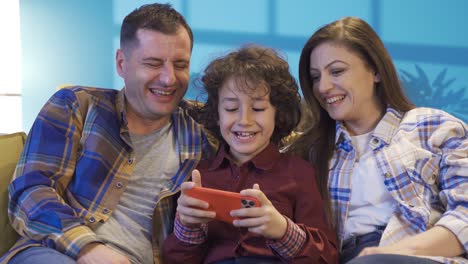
129	229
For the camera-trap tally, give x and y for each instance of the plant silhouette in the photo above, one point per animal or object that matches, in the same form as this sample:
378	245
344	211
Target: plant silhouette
438	94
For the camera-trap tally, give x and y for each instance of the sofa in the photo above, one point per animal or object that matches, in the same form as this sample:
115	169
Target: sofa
11	146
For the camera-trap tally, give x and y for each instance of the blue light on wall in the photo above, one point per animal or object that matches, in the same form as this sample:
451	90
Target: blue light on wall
75	42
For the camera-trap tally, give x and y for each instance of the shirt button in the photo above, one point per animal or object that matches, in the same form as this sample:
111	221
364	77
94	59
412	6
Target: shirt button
387	175
119	185
92	219
130	161
375	141
105	211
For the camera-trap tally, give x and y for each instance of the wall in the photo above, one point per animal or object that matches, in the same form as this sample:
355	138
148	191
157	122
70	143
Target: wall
74	42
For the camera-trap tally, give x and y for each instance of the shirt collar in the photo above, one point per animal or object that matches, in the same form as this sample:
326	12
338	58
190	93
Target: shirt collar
120	107
189	133
384	130
265	160
388	125
342	137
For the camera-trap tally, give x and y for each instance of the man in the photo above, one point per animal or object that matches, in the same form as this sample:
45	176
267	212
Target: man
98	175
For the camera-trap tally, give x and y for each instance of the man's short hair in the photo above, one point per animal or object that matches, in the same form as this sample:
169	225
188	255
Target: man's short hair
158	17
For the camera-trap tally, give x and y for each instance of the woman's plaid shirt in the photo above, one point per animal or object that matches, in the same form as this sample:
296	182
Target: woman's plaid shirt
422	156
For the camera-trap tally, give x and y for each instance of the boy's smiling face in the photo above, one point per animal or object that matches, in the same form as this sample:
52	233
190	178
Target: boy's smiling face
246	118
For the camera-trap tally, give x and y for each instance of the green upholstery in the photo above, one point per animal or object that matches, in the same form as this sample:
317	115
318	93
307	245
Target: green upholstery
11	146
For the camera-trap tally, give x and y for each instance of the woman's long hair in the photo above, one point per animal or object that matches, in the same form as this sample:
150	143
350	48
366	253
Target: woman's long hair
317	144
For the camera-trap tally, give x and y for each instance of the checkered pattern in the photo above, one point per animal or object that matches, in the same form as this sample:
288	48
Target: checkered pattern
422	157
75	165
190	235
291	243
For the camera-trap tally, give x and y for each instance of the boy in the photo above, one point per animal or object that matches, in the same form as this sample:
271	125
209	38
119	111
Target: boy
253	102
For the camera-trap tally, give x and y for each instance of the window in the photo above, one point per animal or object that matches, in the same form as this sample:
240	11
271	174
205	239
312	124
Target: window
10	68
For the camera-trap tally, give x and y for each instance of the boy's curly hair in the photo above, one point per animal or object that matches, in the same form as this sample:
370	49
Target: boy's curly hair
251	66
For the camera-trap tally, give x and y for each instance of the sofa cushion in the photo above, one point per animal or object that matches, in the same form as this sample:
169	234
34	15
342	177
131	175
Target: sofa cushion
11	146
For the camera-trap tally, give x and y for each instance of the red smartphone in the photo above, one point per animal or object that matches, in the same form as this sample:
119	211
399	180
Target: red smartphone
223	202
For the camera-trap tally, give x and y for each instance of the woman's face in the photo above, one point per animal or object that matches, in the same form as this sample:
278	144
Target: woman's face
345	87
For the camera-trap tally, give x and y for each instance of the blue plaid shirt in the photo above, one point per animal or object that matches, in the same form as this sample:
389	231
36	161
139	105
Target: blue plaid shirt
422	156
76	164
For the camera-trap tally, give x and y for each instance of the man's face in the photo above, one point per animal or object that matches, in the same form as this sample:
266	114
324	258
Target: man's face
156	74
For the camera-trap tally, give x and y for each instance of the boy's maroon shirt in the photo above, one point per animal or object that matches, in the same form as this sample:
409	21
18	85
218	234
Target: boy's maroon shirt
288	182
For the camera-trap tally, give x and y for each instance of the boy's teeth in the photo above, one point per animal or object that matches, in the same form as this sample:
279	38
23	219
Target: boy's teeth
245	134
334	99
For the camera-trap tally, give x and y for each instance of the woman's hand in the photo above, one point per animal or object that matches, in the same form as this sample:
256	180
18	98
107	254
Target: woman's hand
188	207
408	251
437	241
264	220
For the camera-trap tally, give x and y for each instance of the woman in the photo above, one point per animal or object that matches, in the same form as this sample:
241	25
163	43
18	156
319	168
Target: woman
397	176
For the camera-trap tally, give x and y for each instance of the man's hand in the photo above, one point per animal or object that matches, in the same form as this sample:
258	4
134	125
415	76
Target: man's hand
187	207
97	253
264	220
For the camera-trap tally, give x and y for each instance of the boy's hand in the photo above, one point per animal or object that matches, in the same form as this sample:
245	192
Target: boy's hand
187	207
264	220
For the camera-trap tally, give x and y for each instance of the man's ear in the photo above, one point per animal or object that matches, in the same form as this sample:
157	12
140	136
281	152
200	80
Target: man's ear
120	62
